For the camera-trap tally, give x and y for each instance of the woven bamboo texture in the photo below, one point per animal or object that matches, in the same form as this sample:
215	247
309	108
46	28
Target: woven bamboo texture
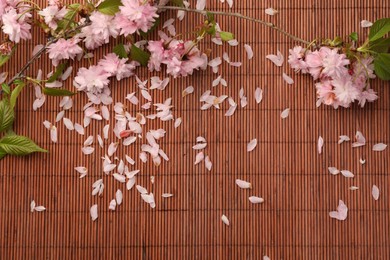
285	168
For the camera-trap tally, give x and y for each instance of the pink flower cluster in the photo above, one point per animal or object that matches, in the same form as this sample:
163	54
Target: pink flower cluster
64	49
181	58
134	16
95	80
15	20
340	82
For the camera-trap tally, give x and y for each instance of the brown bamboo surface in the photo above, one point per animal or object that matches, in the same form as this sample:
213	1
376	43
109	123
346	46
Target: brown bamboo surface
285	168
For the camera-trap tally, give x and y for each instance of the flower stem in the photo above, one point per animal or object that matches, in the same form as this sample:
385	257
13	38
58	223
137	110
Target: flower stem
238	15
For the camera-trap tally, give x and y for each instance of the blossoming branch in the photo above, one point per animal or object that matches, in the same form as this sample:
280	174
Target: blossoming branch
342	69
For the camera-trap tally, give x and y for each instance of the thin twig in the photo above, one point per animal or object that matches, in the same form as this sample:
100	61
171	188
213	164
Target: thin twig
204	12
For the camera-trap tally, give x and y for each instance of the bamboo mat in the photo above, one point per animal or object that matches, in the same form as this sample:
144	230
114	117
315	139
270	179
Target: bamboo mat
285	168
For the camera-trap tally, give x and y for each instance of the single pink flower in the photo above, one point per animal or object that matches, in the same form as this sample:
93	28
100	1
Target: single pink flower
16	25
99	32
117	67
295	59
64	49
345	91
52	14
335	64
135	15
325	92
93	80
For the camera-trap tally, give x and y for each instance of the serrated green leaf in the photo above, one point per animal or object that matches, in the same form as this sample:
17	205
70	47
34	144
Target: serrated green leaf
381	45
109	7
19	145
354	36
226	36
5	87
6	115
382	66
15	93
120	51
59	70
139	55
58	92
379	29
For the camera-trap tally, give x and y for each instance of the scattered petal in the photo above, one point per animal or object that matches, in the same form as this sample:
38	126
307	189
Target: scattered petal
320	144
251	145
353	188
68	123
347	174
375	192
271	11
243	184
225	220
119	197
258	95
366	24
360	140
343	138
341	213
285	113
333	170
167	195
178	122
277	59
199	157
379	147
288	79
112	205
249	51
93	212
208	163
362	161
256	200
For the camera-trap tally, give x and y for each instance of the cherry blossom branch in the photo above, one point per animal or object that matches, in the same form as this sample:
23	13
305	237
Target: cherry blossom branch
39	53
238	15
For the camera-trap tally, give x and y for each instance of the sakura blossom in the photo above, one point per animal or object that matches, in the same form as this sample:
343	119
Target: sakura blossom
16	25
64	50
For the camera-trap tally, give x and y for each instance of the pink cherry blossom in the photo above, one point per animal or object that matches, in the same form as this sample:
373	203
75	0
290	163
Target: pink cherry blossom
296	59
117	67
99	32
93	80
16	25
335	64
52	14
64	49
345	91
135	15
368	95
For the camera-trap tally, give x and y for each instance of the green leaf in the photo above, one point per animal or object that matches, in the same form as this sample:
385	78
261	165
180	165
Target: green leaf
4	59
19	145
120	51
354	36
382	66
139	55
6	115
6	88
59	70
379	29
109	7
226	36
177	2
68	18
58	92
15	93
2	153
381	45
